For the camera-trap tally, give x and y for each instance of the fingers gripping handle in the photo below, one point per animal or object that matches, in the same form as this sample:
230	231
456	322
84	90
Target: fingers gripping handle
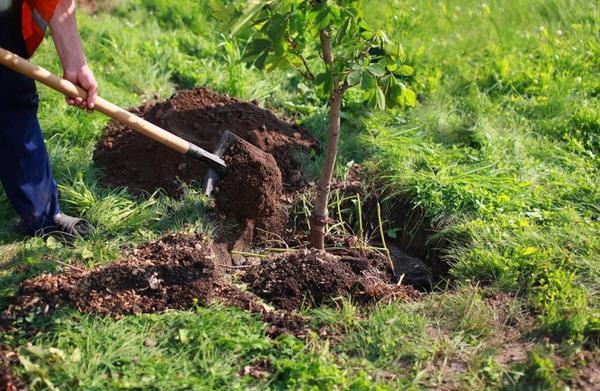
140	125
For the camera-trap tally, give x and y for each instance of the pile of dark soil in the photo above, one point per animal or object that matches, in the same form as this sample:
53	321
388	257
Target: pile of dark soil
199	116
175	272
252	187
183	271
311	278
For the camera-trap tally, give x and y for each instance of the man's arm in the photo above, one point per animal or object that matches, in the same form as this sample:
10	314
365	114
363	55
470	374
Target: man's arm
68	45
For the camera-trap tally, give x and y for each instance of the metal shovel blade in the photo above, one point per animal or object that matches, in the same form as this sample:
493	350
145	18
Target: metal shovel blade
225	142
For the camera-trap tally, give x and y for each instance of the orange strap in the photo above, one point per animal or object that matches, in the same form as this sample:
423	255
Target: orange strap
36	14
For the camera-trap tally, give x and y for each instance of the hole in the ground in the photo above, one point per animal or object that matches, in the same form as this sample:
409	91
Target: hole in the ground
415	248
411	238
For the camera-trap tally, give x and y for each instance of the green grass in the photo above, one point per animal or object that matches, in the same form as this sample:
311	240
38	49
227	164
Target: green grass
501	151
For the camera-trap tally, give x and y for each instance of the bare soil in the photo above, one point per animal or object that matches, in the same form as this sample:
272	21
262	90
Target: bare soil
200	116
587	376
311	278
251	188
174	272
184	271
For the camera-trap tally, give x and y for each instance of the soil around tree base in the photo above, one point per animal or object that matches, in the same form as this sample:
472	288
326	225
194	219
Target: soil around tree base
183	271
310	278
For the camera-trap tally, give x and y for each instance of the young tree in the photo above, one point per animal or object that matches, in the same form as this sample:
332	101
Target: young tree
329	43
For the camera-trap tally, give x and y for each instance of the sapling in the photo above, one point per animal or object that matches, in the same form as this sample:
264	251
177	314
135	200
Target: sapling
329	44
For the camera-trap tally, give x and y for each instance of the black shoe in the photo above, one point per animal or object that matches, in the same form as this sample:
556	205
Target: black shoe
65	227
73	226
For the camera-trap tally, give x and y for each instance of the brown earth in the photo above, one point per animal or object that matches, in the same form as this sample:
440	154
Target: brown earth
183	271
588	371
199	116
258	175
251	189
174	272
311	278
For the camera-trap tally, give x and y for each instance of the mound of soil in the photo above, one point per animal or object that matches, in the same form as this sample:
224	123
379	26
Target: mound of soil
199	116
174	272
311	278
183	271
252	186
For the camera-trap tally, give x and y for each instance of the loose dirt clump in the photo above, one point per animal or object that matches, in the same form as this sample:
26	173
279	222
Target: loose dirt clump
311	278
175	272
252	186
199	116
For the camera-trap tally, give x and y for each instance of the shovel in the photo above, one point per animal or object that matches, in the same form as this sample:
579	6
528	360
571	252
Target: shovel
213	160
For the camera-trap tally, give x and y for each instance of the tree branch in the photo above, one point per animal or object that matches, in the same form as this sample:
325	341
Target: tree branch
326	47
309	75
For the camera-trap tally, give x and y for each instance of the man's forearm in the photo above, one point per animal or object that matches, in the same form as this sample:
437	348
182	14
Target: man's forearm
66	37
68	45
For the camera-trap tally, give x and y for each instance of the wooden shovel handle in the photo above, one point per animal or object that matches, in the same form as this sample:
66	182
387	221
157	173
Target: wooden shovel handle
115	112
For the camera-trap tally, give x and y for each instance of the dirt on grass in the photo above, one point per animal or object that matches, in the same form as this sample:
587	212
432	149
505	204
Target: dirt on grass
183	271
175	272
310	278
200	116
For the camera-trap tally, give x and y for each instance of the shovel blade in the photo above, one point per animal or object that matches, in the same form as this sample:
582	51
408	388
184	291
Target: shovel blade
227	140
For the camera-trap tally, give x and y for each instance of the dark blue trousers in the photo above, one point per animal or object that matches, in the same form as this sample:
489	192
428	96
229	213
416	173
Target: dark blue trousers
24	164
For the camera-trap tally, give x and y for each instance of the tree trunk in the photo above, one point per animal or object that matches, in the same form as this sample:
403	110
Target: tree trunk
319	216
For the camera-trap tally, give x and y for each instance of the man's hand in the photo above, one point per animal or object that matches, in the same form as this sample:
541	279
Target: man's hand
84	78
68	45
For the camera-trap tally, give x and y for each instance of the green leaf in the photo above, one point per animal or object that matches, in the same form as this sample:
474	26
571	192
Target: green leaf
391	66
370	97
52	243
395	51
393	233
368	81
377	70
410	97
257	47
86	254
380	98
261	60
354	78
405	70
253	9
529	251
280	46
342	32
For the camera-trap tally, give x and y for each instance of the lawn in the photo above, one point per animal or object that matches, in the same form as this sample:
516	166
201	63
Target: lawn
499	157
